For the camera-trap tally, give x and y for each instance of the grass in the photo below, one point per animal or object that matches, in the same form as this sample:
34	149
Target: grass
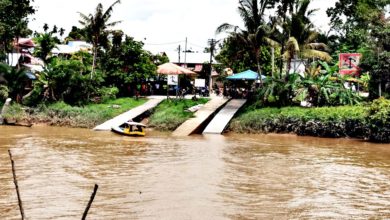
87	116
170	114
325	121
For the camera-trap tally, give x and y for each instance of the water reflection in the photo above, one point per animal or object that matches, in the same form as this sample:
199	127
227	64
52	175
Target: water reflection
199	177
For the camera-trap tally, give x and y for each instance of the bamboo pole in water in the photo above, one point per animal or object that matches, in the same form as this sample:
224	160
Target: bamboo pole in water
90	202
16	186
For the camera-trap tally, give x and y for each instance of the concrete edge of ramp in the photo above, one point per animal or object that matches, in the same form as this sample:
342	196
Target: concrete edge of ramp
201	116
220	121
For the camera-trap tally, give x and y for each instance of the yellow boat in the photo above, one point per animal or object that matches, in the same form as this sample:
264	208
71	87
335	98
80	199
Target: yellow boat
134	129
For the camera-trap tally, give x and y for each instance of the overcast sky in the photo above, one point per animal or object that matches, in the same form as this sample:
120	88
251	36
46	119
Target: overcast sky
161	25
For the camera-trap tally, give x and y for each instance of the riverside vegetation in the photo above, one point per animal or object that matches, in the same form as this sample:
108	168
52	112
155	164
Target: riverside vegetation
370	121
166	117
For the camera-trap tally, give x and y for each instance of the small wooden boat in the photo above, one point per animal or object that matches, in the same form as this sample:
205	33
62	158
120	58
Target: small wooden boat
134	129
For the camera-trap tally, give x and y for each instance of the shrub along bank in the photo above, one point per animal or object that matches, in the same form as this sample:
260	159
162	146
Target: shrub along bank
371	122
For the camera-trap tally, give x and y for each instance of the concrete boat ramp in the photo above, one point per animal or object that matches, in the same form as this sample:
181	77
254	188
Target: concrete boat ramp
222	119
206	113
203	116
133	113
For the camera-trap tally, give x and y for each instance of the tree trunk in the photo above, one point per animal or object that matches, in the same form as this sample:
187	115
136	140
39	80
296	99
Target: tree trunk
93	61
258	65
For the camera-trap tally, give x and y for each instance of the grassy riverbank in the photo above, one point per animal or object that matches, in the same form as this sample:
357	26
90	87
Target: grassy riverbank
62	114
346	121
370	121
166	117
171	113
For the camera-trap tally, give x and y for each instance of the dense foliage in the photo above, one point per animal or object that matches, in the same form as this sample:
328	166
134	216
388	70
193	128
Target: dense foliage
379	121
13	22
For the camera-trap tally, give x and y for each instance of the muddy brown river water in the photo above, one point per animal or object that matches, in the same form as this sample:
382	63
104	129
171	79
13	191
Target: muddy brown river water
199	177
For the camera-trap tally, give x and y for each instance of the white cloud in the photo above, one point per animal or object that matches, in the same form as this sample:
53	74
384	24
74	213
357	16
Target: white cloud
158	21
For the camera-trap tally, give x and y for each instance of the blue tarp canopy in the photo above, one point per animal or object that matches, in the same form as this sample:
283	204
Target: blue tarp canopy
246	75
31	76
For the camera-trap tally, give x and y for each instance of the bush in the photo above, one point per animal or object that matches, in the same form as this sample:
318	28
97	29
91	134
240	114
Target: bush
344	121
3	92
107	93
378	120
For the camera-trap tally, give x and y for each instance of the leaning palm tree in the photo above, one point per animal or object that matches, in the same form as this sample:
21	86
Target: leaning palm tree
96	27
256	30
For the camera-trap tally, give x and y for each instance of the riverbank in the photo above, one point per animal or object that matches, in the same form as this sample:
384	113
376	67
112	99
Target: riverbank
62	114
334	122
166	117
369	121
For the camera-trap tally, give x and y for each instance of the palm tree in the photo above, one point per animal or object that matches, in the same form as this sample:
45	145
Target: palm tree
96	25
284	7
302	39
256	30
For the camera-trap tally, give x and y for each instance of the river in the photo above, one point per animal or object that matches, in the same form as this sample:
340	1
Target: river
199	177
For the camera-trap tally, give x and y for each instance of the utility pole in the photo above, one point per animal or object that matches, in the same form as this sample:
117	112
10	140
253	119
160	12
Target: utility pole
273	61
179	50
185	54
212	43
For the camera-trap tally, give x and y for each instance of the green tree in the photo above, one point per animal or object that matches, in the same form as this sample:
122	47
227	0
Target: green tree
128	63
76	34
96	28
45	43
256	32
13	22
67	80
284	7
302	42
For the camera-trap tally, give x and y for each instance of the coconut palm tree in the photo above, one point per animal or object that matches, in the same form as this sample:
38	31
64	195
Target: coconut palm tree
285	7
302	39
96	27
256	30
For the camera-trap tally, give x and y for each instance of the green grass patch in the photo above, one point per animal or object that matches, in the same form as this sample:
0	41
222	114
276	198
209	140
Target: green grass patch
87	116
170	114
322	121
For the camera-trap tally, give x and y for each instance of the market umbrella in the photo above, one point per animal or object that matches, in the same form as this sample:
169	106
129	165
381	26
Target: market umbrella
246	75
173	69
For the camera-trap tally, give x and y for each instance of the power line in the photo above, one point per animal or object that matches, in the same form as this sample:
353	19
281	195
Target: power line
195	45
170	43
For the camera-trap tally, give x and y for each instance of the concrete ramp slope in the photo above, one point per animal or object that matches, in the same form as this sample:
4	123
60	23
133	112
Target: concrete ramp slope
133	113
201	116
222	119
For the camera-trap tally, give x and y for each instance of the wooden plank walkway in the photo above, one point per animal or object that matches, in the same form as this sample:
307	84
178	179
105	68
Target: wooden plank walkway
202	115
222	119
133	113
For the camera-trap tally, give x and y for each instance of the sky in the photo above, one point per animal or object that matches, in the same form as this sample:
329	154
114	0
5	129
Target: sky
161	25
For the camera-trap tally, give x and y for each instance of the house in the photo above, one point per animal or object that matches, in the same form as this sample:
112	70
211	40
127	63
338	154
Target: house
71	48
22	56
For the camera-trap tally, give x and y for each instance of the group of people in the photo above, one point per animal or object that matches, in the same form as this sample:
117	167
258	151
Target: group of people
232	91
